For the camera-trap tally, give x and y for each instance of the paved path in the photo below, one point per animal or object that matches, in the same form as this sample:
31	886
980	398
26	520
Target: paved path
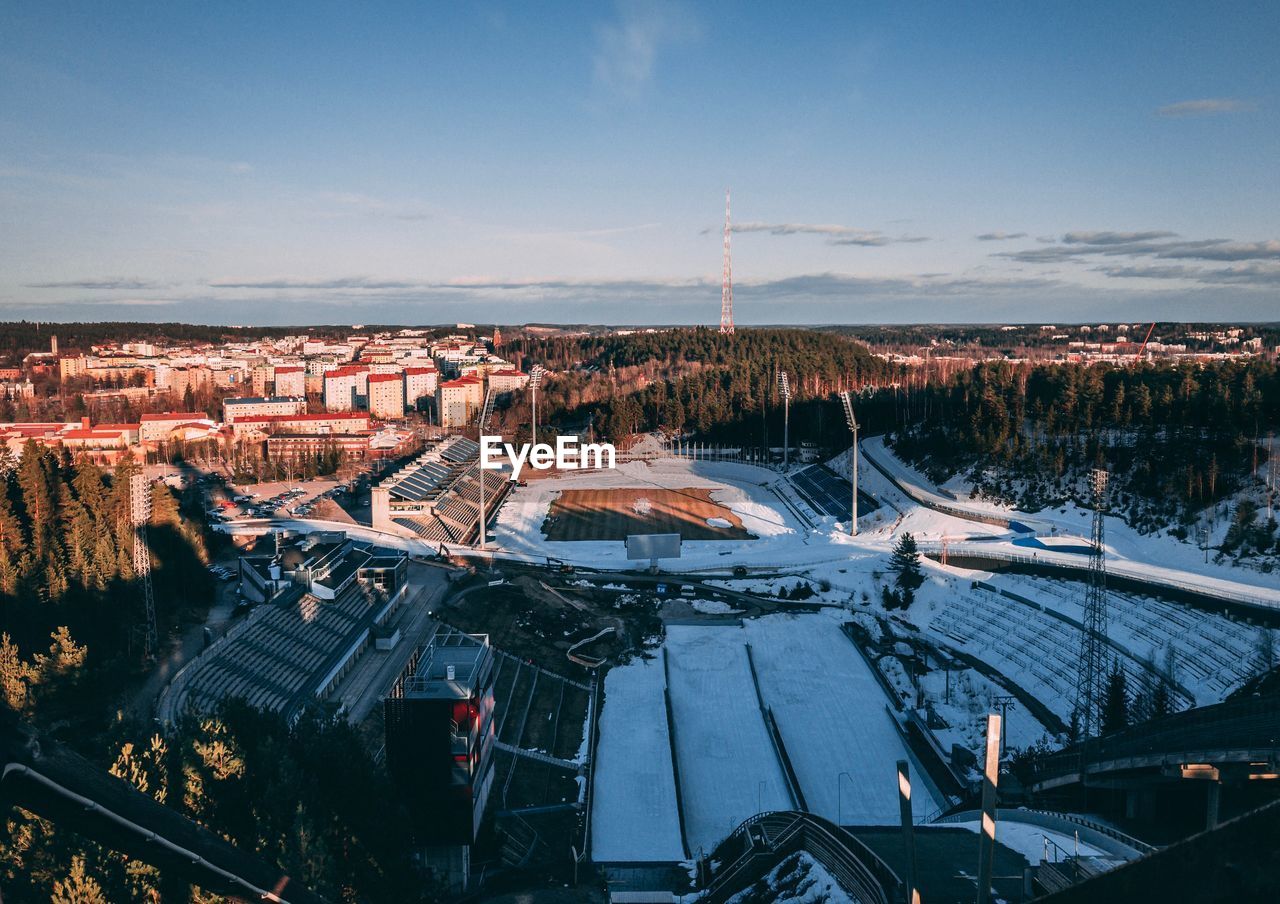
182	650
376	670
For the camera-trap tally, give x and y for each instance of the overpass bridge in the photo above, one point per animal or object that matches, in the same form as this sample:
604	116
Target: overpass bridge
1236	740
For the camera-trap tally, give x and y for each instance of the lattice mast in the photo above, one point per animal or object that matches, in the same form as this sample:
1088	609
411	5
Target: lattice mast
139	515
726	285
1091	672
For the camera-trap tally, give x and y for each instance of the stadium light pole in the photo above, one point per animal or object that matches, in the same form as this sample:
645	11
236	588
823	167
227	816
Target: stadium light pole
480	472
535	377
847	400
784	386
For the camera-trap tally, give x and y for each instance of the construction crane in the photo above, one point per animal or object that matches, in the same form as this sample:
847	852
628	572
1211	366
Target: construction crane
1143	346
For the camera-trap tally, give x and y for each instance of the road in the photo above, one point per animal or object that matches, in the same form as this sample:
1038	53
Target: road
184	648
376	670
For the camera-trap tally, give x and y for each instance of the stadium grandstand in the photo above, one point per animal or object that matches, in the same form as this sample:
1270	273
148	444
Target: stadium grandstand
322	598
438	497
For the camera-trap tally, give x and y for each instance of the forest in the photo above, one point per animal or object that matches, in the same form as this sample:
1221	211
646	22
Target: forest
66	546
307	797
722	389
1176	438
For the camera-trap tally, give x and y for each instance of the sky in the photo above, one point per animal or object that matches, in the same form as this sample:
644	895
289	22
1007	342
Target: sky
292	163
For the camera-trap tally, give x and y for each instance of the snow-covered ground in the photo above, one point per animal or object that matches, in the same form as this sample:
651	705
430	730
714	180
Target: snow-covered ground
1128	551
743	489
728	768
1029	840
831	712
971	698
635	816
799	879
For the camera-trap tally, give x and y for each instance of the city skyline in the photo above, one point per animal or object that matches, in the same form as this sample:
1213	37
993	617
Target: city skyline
415	165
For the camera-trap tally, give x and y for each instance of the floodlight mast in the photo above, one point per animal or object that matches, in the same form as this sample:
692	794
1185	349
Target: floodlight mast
784	387
535	377
847	401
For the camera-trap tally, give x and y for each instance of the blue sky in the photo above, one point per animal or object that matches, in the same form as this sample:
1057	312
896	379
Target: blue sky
432	162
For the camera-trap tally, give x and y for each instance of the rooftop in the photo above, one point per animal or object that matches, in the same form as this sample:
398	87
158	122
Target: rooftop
468	655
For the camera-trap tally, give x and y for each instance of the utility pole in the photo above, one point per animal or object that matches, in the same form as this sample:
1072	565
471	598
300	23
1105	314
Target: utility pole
847	400
784	387
535	377
1004	701
908	836
987	828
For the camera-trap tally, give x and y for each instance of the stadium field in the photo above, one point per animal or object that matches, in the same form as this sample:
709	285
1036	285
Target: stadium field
613	514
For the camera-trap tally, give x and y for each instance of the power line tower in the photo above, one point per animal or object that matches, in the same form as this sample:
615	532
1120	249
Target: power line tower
139	515
1093	642
726	285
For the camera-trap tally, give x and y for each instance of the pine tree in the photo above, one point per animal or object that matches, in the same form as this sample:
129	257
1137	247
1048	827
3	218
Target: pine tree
905	562
1115	707
79	887
16	676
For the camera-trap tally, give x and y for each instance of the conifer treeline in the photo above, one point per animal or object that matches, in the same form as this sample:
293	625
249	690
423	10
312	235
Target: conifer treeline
66	554
721	388
1175	437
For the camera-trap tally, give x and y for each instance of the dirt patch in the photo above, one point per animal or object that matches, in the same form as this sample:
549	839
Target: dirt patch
613	514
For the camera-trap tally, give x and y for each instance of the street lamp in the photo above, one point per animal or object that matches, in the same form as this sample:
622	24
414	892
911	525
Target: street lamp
535	377
847	400
839	799
784	387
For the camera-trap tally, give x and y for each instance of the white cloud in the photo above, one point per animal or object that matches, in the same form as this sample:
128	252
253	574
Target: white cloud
1209	106
628	46
836	235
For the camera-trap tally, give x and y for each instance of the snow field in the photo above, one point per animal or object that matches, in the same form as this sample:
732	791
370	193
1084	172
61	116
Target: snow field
831	712
728	768
634	816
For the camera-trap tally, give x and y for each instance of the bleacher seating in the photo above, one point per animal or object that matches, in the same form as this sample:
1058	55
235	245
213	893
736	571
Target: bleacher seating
1205	654
280	656
1033	649
1212	654
447	483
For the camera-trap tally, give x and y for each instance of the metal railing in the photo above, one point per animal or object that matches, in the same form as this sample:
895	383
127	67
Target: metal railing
765	840
1211	588
1246	725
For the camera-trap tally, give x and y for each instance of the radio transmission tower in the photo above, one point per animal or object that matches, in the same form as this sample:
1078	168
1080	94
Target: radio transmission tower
1093	643
139	515
726	285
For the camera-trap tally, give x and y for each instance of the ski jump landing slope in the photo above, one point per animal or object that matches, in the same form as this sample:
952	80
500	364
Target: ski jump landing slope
831	712
729	770
635	816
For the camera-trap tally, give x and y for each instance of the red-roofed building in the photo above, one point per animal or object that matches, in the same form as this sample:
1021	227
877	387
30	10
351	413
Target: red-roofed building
346	388
507	380
386	395
419	383
328	423
290	380
458	401
156	428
